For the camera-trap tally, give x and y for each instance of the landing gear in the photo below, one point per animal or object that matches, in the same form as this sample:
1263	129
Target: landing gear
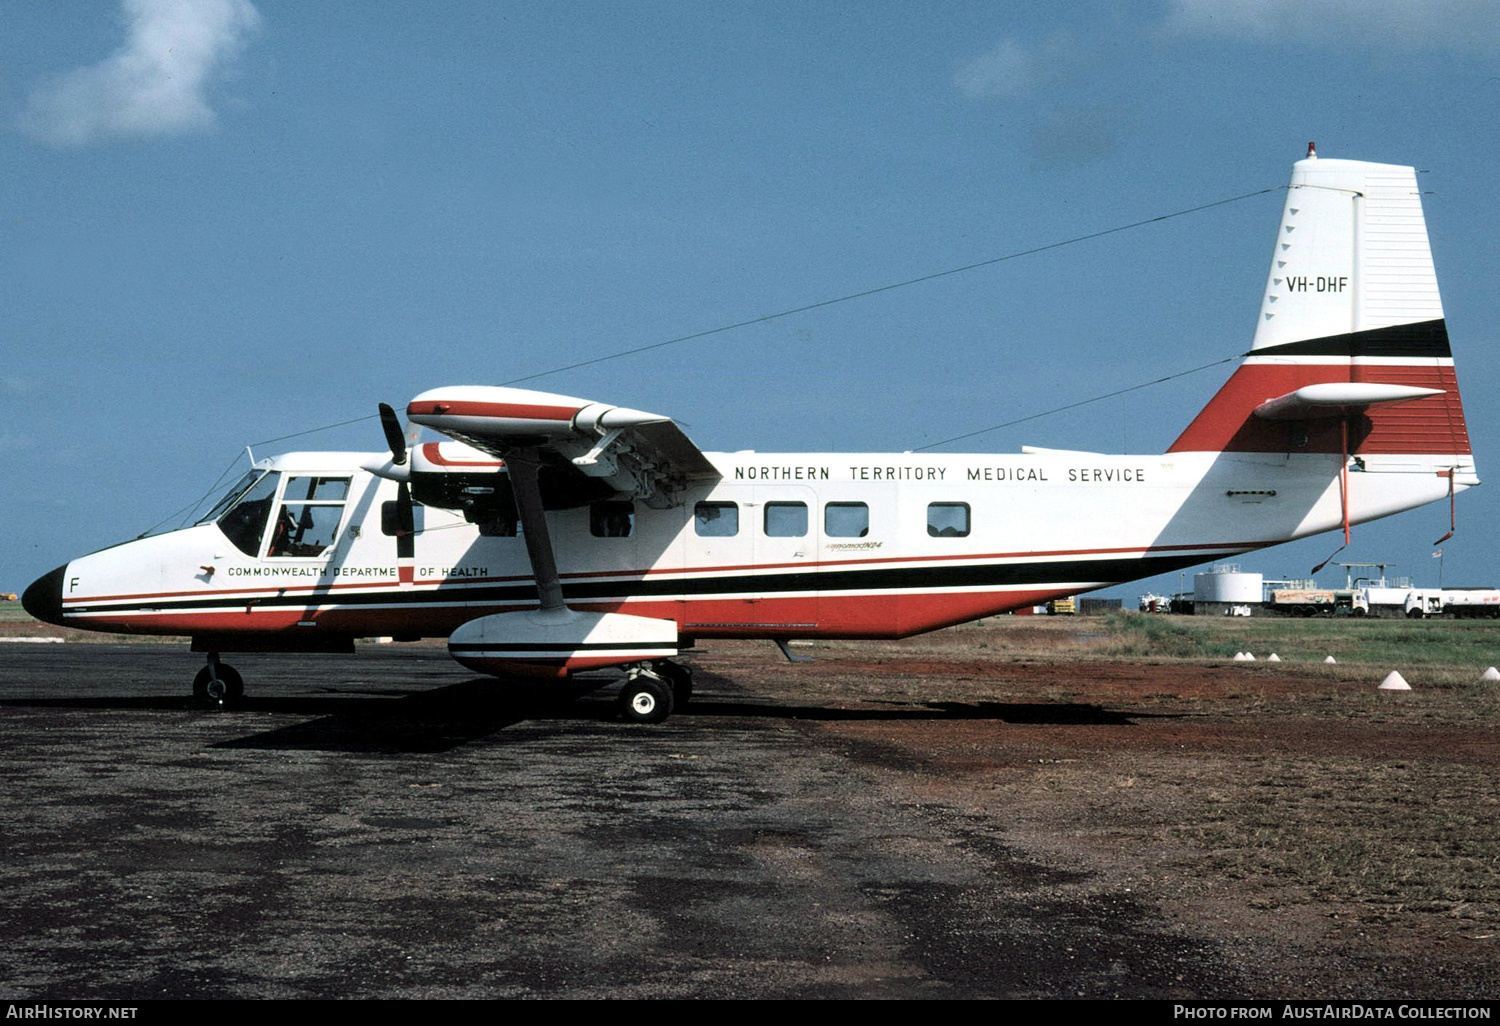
679	677
218	684
653	691
645	698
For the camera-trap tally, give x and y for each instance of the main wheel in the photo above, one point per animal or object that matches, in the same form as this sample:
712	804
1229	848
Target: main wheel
225	689
645	700
679	677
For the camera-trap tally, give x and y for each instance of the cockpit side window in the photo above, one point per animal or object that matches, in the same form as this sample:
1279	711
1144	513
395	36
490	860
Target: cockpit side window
308	520
245	522
233	495
316	489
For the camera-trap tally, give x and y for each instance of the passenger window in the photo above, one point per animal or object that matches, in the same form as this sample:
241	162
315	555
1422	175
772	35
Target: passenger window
716	519
948	519
786	519
846	520
311	508
612	519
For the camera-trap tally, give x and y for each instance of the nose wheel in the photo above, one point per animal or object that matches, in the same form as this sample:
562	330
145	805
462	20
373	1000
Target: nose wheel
217	684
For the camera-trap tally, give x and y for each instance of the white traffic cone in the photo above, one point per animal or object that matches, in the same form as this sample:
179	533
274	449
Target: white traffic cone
1394	682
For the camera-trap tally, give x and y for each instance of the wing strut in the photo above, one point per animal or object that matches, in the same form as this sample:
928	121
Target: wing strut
524	465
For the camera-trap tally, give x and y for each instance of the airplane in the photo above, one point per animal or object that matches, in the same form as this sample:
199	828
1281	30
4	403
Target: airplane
550	535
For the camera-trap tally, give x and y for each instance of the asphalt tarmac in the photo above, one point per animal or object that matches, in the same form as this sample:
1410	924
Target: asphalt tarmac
385	825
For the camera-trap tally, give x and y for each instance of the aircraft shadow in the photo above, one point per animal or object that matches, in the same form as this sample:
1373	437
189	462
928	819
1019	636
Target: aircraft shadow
1032	713
429	722
397	721
460	714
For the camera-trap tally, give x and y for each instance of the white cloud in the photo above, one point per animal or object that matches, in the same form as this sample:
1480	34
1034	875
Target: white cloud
1441	25
1004	71
1011	69
156	84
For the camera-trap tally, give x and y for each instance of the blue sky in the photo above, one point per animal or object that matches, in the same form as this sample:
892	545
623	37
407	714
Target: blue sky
224	223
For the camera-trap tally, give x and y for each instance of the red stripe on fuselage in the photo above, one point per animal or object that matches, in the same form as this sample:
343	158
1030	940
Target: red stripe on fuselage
883	615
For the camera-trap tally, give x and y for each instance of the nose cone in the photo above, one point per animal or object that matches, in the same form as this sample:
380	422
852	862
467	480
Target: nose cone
43	599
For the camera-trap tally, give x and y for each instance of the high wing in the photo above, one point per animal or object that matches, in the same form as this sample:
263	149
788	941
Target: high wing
578	444
643	455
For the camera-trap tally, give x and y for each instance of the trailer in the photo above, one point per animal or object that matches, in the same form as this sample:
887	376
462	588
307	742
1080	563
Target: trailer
1319	601
1425	603
1472	602
1459	603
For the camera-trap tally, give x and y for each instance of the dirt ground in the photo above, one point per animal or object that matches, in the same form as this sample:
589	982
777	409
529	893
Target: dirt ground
1337	840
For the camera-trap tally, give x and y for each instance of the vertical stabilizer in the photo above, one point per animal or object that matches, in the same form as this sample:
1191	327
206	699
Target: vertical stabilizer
1351	300
1351	255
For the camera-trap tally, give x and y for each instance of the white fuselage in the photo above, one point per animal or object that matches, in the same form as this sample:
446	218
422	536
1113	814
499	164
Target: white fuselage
782	545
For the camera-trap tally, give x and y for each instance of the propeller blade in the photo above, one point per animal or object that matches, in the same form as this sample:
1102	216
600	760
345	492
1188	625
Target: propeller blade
406	526
393	436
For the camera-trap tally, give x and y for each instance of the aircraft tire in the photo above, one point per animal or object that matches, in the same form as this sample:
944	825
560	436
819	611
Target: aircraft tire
230	686
644	700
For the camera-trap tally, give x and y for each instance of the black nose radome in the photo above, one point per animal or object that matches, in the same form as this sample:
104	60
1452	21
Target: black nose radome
43	599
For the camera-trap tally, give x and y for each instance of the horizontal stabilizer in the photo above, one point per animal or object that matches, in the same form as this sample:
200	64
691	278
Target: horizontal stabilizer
1338	399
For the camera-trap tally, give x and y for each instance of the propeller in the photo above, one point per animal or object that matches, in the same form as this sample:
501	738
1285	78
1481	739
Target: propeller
405	526
393	435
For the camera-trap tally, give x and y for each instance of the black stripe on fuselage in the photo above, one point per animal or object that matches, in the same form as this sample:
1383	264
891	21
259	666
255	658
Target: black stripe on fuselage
1422	339
988	575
